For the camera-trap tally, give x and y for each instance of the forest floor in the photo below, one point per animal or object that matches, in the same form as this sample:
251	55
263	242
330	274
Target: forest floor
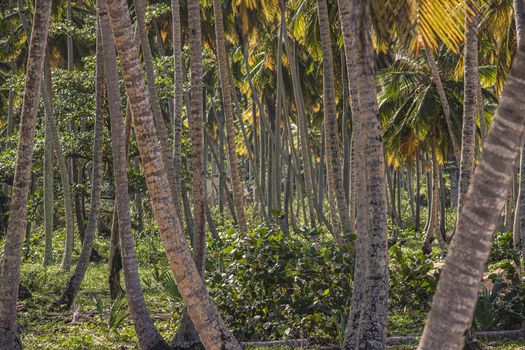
91	324
94	322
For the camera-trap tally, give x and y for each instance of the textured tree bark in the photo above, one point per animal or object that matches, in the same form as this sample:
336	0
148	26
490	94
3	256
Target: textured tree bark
10	272
335	171
457	292
149	337
371	331
238	197
204	314
468	133
178	81
68	295
160	126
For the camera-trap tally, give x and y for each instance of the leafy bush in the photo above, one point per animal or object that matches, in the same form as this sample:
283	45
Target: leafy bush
413	279
271	285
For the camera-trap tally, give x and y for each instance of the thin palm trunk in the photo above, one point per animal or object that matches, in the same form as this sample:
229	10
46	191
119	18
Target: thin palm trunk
178	81
237	189
10	270
436	78
73	285
452	313
468	133
335	171
302	125
47	93
204	314
48	195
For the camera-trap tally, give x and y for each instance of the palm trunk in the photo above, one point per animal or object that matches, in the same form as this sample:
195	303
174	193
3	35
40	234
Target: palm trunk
335	171
452	313
72	287
204	314
468	133
160	125
433	211
355	26
178	81
48	195
10	271
519	217
302	128
436	78
148	336
237	189
47	93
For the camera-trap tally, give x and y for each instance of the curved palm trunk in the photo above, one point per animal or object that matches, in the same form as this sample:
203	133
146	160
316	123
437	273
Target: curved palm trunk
47	94
147	334
369	331
10	273
468	133
204	314
228	117
335	171
72	287
436	78
160	126
452	312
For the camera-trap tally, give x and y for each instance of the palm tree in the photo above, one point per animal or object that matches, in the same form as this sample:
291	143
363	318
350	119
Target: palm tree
148	335
72	287
470	100
228	117
335	171
204	314
10	271
360	64
47	93
178	80
451	314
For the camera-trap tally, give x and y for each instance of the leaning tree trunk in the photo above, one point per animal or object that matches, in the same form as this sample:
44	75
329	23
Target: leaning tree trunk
519	216
72	287
228	117
452	313
47	93
10	272
468	132
436	78
149	337
335	171
370	332
204	314
154	97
